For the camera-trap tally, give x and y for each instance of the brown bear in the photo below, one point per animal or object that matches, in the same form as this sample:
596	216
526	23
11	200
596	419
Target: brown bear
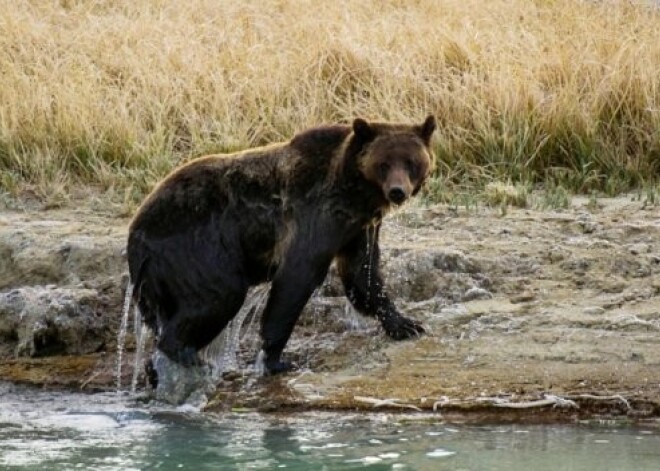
281	213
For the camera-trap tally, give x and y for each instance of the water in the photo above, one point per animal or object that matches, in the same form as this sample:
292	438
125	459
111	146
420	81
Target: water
121	334
222	353
234	349
372	234
61	431
140	332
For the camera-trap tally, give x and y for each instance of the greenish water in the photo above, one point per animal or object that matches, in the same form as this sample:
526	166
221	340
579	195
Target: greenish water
58	431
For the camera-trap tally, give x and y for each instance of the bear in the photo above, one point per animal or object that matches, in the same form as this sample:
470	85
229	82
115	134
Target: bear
282	214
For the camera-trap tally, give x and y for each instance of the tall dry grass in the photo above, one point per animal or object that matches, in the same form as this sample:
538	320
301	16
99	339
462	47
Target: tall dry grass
113	93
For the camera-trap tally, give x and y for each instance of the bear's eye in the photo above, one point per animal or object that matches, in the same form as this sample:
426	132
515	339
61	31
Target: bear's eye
411	168
383	168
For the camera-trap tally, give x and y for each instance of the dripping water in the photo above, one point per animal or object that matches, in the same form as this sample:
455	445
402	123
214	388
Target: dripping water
353	320
121	335
371	244
241	332
260	364
222	353
367	267
253	307
250	334
141	333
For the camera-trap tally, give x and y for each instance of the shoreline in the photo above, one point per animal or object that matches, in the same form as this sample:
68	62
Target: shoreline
519	306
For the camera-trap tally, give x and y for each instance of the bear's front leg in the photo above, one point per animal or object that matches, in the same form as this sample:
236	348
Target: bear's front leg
359	268
295	281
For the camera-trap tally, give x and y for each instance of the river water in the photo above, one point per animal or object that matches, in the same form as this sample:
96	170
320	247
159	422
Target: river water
41	430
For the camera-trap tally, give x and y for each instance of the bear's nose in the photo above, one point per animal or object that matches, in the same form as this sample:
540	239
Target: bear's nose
396	195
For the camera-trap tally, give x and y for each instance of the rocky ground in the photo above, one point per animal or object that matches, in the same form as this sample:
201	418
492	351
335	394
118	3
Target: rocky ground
531	315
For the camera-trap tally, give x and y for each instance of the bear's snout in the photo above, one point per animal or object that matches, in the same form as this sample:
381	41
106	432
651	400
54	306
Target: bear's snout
397	186
397	195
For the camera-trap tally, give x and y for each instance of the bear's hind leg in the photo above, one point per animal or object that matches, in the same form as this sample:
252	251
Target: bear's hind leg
193	327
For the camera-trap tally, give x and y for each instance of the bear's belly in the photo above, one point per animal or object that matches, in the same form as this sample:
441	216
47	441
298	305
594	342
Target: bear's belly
260	270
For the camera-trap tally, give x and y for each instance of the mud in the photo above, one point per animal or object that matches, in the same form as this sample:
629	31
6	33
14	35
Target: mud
531	315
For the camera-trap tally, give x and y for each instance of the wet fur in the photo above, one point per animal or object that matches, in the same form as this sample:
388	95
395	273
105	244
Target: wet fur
282	213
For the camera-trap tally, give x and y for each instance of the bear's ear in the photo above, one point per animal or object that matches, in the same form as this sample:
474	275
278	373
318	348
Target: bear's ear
427	128
362	130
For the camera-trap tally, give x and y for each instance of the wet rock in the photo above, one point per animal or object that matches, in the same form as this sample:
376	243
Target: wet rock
427	306
39	321
332	314
418	275
455	314
476	293
322	309
454	261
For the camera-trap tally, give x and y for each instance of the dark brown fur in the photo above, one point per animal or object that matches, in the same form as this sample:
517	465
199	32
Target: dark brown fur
282	213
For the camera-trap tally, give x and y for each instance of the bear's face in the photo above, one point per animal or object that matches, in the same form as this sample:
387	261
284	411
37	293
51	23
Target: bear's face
397	158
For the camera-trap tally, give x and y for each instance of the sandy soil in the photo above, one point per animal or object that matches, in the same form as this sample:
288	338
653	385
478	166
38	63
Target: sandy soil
531	315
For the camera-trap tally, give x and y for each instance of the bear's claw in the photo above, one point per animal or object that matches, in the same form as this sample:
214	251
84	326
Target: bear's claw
403	328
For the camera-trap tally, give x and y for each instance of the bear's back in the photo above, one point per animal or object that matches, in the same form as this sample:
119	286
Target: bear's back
194	190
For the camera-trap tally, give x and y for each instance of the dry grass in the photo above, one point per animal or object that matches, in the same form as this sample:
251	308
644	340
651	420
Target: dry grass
113	93
497	193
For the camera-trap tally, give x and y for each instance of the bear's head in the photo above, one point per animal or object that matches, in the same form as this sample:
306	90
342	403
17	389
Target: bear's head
395	157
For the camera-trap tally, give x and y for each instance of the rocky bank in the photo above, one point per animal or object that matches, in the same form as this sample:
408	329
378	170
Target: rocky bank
531	315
